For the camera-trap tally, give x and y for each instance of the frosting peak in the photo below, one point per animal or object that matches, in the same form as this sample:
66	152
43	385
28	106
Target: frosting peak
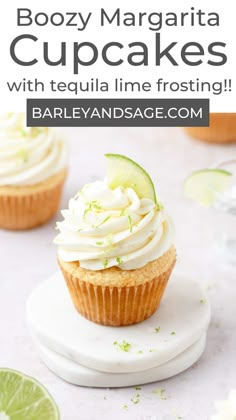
104	228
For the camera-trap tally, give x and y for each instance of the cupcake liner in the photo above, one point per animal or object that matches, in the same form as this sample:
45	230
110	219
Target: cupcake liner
222	129
27	207
117	306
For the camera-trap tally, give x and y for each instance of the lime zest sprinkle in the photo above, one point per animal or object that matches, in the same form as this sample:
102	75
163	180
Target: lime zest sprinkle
152	350
159	206
161	393
109	239
135	399
125	407
105	263
94	204
119	260
123	346
91	206
104	221
157	329
173	333
202	301
140	352
138	388
23	154
99	243
178	417
130	223
23	132
123	212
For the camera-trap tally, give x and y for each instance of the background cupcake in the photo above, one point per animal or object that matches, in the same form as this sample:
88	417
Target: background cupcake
33	165
222	129
115	247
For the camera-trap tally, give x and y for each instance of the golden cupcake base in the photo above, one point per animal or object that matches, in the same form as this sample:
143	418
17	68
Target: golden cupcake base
118	297
222	129
88	354
30	206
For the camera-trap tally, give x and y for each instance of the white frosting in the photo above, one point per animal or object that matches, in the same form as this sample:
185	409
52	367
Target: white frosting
226	409
28	155
104	228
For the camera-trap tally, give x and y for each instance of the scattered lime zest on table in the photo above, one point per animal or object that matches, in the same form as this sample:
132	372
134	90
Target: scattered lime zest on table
124	172
24	398
176	415
160	392
135	399
123	346
204	185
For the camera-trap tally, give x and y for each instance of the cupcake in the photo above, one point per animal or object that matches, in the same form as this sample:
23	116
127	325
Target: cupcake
115	246
222	129
32	173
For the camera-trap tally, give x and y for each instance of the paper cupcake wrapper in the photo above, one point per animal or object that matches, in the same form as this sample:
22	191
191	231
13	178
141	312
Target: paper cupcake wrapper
222	129
117	306
25	211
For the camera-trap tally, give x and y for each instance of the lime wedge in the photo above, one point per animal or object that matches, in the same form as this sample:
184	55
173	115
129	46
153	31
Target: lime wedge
204	186
24	398
124	172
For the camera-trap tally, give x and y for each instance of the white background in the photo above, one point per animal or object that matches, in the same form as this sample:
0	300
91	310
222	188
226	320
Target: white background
10	71
27	258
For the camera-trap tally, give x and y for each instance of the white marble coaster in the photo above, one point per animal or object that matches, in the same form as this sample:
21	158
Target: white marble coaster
182	319
79	375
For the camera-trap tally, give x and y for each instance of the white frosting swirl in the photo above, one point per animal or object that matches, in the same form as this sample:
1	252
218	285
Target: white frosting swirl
104	228
226	409
28	155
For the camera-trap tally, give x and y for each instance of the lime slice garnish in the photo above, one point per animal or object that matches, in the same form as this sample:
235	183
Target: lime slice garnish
205	185
124	172
24	398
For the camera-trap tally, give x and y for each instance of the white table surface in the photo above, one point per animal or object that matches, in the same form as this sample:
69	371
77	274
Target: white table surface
29	257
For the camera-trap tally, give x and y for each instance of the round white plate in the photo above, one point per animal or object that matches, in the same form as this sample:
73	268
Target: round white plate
80	375
182	319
